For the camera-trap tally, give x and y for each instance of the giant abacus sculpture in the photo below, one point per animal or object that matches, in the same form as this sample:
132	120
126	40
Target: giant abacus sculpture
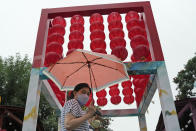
147	67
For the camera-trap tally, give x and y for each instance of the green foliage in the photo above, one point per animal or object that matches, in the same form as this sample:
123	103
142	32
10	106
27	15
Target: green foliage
14	81
185	79
47	115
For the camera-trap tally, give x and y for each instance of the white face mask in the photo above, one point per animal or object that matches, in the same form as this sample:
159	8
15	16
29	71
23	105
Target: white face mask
82	99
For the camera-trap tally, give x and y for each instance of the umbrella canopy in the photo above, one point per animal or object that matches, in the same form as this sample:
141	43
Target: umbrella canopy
96	69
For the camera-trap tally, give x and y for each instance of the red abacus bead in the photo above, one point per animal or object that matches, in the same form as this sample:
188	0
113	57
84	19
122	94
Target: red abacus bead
140	82
132	23
54	88
138	100
101	101
69	93
54	47
116	32
138	40
115	24
55	37
140	76
96	17
114	86
101	93
89	100
51	82
52	57
127	91
70	51
142	24
97	34
120	52
118	41
143	82
57	29
77	19
115	100
75	44
96	26
142	60
98	43
105	101
58	96
49	32
126	84
114	16
128	99
136	82
136	31
131	15
62	94
139	91
141	52
100	50
59	20
77	27
113	92
149	58
76	35
61	98
132	58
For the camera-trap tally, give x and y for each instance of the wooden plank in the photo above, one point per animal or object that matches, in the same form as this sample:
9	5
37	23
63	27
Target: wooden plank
59	123
142	122
11	115
166	99
32	103
193	110
90	9
120	113
185	108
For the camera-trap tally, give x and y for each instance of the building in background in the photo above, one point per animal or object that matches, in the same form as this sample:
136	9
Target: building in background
11	118
186	110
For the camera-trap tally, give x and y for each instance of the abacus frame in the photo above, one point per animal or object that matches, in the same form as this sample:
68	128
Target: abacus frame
157	69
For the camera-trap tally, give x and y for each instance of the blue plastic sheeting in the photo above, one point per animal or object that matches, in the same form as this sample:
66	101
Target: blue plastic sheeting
142	68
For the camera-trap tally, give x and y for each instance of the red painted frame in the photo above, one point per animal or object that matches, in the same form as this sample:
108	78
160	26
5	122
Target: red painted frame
142	7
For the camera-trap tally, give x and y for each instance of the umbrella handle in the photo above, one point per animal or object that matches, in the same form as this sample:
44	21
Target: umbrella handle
97	112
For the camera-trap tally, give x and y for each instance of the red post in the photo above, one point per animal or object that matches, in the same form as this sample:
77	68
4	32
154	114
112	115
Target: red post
40	46
155	45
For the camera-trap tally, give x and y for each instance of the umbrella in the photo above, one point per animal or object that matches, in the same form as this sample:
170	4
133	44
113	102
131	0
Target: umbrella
81	66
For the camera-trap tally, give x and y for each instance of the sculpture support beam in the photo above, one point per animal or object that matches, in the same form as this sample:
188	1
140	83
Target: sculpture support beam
166	99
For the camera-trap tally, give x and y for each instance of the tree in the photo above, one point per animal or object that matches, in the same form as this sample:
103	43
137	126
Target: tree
14	78
14	81
185	79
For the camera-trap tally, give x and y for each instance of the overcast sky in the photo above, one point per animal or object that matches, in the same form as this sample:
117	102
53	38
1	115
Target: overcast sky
175	21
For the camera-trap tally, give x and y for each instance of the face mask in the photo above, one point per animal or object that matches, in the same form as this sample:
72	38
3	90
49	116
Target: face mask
82	99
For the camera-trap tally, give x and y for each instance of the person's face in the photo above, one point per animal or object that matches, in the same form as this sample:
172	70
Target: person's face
84	90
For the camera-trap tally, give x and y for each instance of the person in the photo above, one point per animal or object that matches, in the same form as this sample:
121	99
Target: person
73	118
